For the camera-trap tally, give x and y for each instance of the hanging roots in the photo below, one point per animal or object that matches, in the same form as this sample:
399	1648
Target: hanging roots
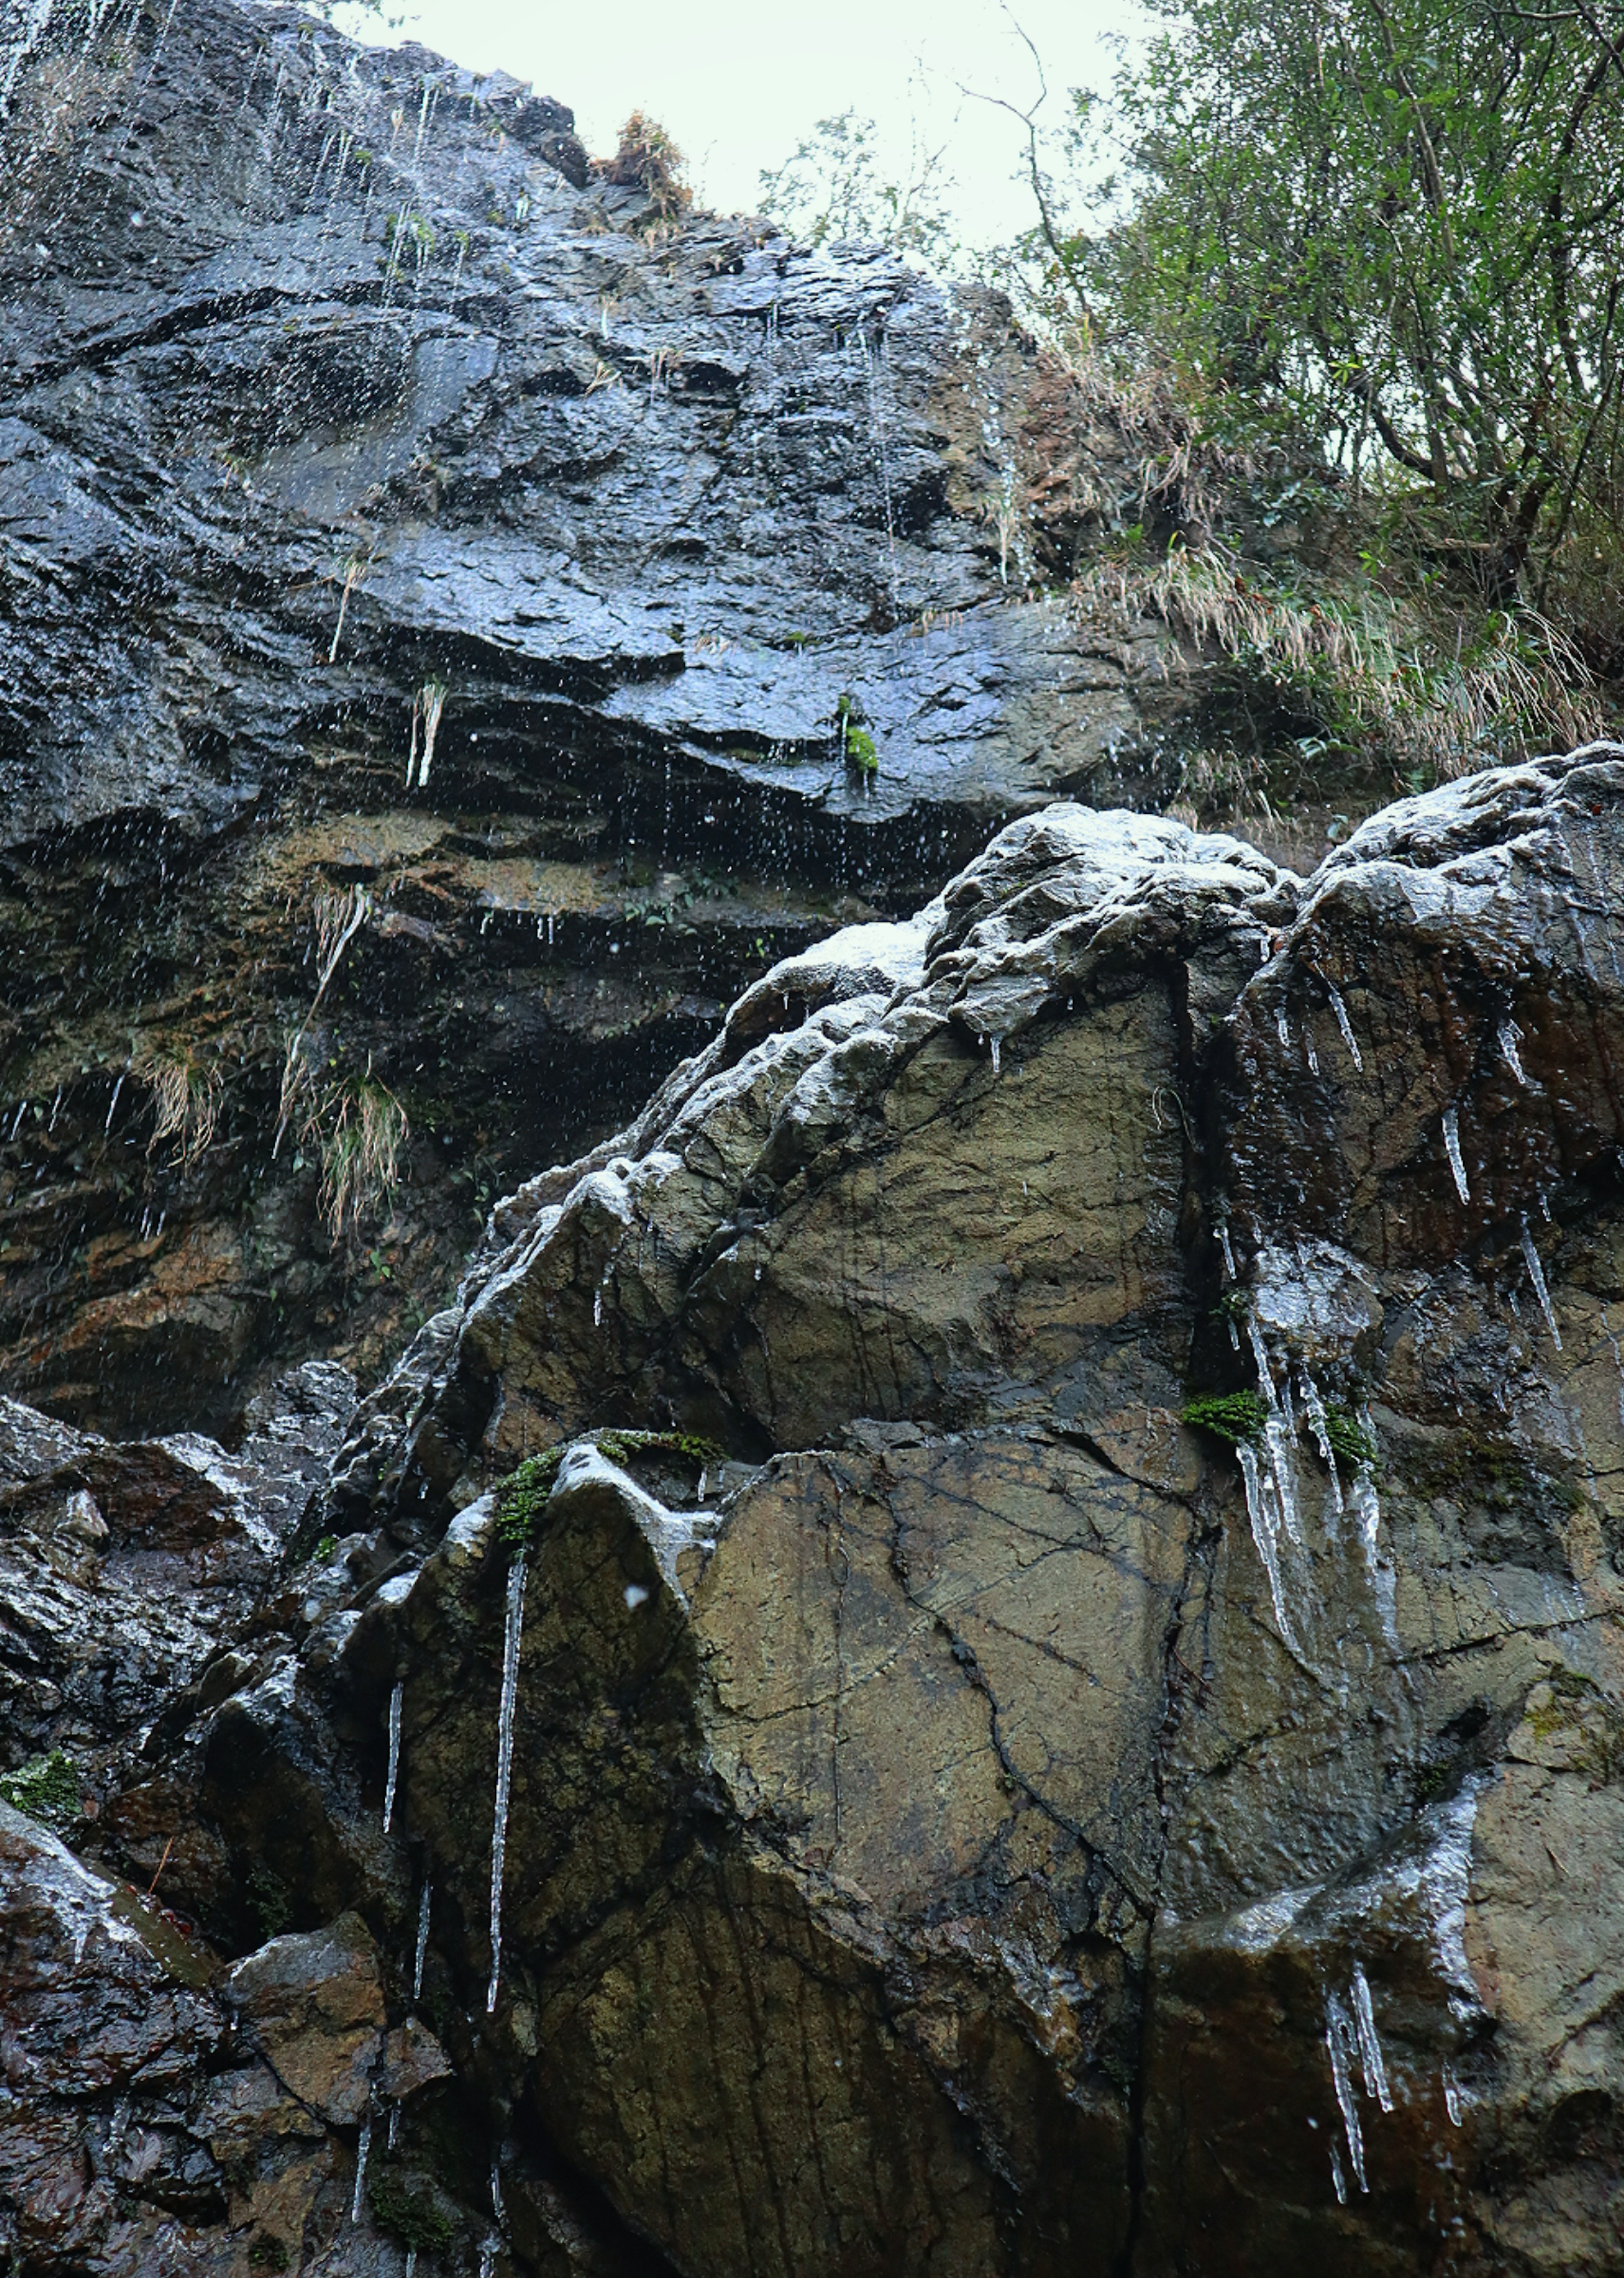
360	1151
187	1104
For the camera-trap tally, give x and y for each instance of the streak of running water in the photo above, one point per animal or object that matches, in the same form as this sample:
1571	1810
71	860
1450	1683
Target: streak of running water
512	1637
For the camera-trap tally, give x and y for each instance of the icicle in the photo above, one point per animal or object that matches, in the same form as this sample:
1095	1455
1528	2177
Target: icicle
1369	2044
1260	1354
361	2151
55	1105
1263	1533
434	703
112	1109
597	1307
1319	1423
1283	1027
1509	1036
1451	2097
394	2126
396	1700
1307	1046
1339	2039
1364	1506
487	2257
17	1121
996	1044
1339	2181
496	2195
1536	1275
511	1639
1452	1148
422	1940
1346	1024
1280	1441
1223	1244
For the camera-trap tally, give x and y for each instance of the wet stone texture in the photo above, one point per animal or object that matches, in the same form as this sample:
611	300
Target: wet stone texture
982	1637
1040	1677
397	525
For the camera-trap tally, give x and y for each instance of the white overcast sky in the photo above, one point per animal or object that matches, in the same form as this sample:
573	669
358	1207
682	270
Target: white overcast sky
739	82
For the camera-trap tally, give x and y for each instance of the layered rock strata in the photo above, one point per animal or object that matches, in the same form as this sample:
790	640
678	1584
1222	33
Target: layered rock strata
1019	1585
462	621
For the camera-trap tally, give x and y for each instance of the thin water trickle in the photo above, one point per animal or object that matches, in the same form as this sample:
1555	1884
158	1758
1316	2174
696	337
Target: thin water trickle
597	1307
411	2262
511	1639
1452	1148
1536	1275
395	1700
361	2151
1346	1024
394	2127
997	1048
17	1121
422	1940
112	1109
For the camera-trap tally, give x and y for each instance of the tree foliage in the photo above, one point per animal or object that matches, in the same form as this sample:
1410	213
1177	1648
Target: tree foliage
833	186
1394	227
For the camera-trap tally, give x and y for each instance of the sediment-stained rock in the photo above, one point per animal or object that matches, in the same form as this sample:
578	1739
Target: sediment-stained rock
1107	1757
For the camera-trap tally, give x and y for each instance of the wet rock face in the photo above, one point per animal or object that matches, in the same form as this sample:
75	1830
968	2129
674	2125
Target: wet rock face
389	511
1059	1680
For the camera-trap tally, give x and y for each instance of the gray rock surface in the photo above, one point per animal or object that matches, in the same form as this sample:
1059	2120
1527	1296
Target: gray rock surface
1061	1700
333	386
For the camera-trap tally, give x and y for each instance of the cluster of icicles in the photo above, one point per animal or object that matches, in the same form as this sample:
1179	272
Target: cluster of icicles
512	1635
1352	2039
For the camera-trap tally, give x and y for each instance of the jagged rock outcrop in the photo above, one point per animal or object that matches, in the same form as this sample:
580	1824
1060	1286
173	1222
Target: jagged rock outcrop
389	511
1049	1601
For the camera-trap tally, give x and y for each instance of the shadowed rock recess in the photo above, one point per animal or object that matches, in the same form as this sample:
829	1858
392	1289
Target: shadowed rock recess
985	1644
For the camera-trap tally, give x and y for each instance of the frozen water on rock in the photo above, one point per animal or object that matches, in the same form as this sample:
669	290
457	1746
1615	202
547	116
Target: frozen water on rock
395	1700
1536	1275
1364	1506
1265	1533
422	1940
1319	1423
1369	2042
1452	2101
1452	1148
1339	2181
1224	1245
361	2151
511	1639
1510	1036
1340	2042
1346	1024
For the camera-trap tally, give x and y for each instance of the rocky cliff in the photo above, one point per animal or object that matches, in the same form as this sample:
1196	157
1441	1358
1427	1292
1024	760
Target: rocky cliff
984	1641
463	621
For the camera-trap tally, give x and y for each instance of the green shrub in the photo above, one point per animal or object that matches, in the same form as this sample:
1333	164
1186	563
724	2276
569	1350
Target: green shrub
1232	1416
